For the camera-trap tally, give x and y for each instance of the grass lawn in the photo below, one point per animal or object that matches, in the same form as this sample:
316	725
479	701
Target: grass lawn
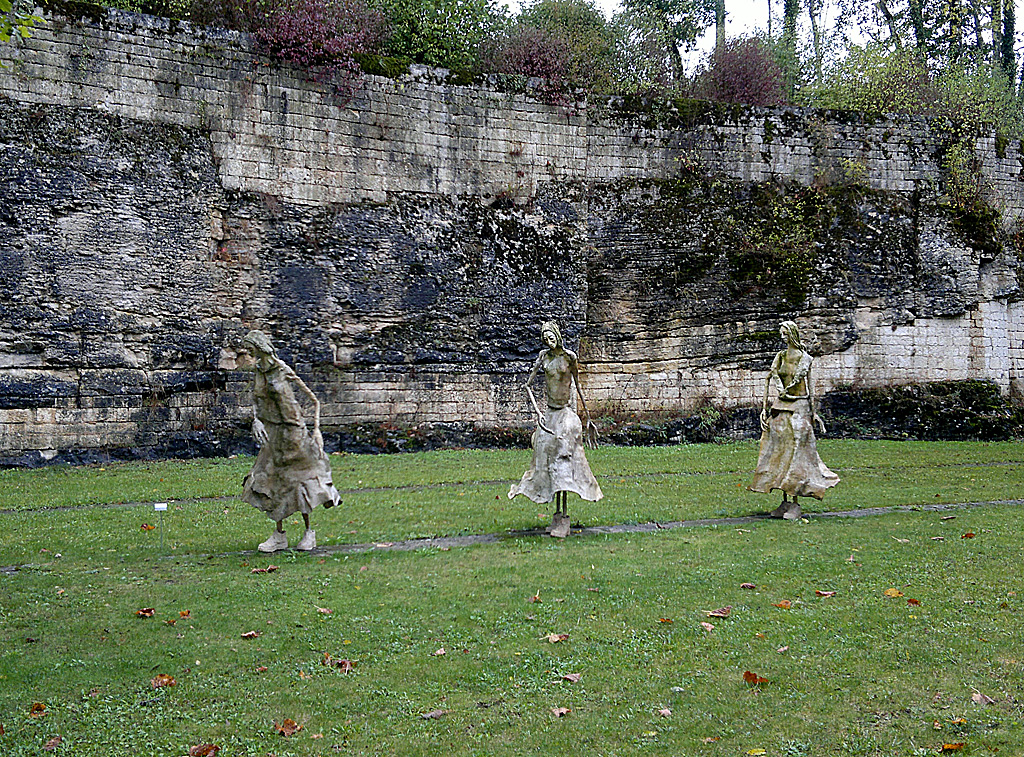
856	673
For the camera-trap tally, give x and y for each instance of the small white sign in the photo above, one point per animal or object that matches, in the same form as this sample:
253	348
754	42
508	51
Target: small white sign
158	506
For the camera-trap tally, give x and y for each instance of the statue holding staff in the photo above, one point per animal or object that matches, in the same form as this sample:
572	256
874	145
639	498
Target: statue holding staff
559	464
292	473
788	457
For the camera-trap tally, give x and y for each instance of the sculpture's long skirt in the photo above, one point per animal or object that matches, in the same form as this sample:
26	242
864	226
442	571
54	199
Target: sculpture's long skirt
559	462
788	459
291	474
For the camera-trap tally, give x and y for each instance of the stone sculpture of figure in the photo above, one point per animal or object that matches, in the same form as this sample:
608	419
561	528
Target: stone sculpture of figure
559	463
788	459
292	473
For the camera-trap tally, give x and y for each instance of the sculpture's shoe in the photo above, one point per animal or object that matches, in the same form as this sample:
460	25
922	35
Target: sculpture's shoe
560	526
787	511
308	541
277	541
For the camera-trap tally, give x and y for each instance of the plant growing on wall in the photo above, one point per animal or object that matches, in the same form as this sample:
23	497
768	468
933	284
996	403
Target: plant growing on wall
741	71
16	20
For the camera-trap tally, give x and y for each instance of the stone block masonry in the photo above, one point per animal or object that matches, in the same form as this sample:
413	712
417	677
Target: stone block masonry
163	190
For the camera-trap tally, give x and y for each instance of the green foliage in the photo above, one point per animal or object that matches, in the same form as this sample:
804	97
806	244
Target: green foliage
872	79
666	25
446	33
586	33
16	21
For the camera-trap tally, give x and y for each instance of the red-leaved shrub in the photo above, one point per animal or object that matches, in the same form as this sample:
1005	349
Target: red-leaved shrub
531	52
744	71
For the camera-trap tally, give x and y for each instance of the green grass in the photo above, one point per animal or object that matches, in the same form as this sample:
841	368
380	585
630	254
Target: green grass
864	674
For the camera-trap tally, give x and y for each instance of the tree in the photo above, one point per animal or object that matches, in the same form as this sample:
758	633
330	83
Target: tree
586	34
673	23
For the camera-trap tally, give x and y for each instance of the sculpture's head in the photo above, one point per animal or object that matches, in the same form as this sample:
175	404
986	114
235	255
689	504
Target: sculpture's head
258	343
550	335
789	331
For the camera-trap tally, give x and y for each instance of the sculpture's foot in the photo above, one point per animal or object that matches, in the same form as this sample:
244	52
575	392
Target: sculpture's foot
277	541
787	511
559	526
308	541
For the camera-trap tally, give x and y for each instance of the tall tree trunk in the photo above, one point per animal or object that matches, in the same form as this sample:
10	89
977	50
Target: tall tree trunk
769	19
720	24
790	11
1007	57
813	11
890	20
997	32
920	32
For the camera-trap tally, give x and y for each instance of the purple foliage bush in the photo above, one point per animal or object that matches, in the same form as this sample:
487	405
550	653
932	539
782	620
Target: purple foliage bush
532	52
745	71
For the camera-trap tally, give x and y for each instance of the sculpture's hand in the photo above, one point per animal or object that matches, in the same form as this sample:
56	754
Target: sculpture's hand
318	439
764	419
259	432
590	436
820	422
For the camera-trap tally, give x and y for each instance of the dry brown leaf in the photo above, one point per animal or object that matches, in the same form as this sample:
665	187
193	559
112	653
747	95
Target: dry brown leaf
288	728
785	604
893	593
268	569
37	710
968	535
783	650
145	612
753	678
665	620
946	748
664	712
560	712
50	745
261	669
185	613
440	652
748	586
721	612
914	602
162	679
434	714
572	677
979	698
170	622
250	634
819	593
760	636
710	739
534	598
322	610
147	527
203	750
554	638
345	666
707	626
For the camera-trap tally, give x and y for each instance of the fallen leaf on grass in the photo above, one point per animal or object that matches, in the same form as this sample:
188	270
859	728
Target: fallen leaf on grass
753	678
665	620
572	677
37	710
748	586
147	527
968	535
203	750
710	739
440	652
664	712
914	602
170	622
434	714
184	613
819	593
50	745
288	728
162	679
979	698
145	612
707	626
756	752
782	650
268	569
721	612
345	666
534	598
317	736
322	610
250	634
785	604
946	748
560	712
554	638
261	669
893	593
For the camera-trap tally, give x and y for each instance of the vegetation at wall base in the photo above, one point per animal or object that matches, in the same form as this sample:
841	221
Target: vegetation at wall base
891	634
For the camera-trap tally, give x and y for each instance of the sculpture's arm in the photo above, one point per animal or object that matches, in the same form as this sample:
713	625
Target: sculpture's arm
259	431
318	438
773	371
590	430
529	392
814	410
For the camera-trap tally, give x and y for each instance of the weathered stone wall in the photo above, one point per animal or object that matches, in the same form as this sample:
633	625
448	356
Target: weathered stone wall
163	191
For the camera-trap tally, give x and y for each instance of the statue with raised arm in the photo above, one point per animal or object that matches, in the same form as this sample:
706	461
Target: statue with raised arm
559	463
788	458
292	473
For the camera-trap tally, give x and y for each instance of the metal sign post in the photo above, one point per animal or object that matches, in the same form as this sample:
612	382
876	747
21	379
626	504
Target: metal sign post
161	507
